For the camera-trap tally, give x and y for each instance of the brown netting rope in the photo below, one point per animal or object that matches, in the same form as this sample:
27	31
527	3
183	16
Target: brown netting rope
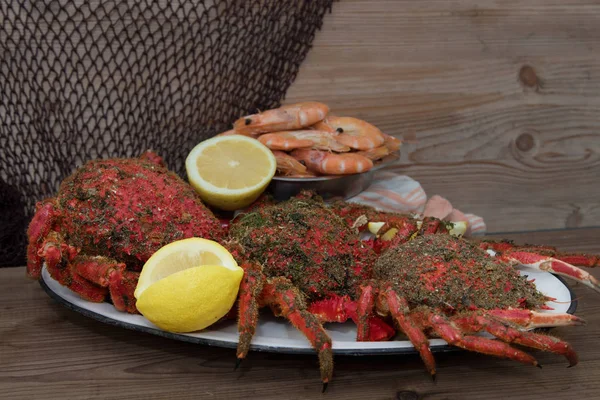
111	78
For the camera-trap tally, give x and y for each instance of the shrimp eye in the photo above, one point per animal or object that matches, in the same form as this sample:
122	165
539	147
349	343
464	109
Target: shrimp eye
340	130
248	121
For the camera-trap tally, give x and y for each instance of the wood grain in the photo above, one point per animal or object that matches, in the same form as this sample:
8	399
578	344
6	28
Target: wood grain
498	102
47	351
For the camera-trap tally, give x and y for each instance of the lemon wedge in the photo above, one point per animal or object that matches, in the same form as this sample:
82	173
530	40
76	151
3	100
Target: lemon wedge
230	172
188	285
192	299
181	255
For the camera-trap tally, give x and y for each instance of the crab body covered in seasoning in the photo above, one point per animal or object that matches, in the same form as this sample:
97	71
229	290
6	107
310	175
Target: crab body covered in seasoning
107	219
307	264
447	287
304	241
395	229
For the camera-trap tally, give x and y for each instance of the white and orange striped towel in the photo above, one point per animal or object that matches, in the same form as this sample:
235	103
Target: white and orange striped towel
398	193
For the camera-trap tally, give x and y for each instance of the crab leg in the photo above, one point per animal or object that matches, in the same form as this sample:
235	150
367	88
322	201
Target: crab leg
553	265
340	308
96	269
502	246
454	336
39	228
87	290
533	319
366	302
333	309
106	272
58	258
122	286
399	309
477	323
250	290
580	260
285	300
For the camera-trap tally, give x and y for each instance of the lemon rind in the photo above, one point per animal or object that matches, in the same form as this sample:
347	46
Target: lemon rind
215	247
196	179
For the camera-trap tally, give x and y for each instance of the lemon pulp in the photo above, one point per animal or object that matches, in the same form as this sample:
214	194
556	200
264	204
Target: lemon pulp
230	172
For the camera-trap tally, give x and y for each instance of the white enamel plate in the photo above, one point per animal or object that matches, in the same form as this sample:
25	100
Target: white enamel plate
275	334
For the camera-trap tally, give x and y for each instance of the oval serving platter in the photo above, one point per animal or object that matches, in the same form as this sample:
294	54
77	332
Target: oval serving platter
275	334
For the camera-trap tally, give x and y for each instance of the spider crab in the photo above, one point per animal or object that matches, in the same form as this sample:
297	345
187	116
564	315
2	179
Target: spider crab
393	229
108	218
433	283
444	286
306	265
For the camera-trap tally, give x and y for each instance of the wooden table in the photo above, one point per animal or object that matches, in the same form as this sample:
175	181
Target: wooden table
49	352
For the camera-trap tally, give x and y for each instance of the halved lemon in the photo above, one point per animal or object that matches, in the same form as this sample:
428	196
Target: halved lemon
188	285
181	255
192	299
230	172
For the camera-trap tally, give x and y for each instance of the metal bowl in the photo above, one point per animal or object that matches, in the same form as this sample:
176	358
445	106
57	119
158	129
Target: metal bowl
328	187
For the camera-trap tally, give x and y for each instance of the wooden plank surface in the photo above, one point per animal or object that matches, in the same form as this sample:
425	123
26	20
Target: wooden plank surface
499	101
47	351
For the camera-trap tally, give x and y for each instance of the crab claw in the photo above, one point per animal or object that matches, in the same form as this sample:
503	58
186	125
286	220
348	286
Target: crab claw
553	265
533	319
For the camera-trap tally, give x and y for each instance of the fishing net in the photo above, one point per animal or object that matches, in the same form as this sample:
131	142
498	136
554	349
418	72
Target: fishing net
111	78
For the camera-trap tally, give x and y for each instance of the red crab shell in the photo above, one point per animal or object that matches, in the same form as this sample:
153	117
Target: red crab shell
450	273
127	209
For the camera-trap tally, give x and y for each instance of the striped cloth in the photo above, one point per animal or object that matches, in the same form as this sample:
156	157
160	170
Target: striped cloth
399	193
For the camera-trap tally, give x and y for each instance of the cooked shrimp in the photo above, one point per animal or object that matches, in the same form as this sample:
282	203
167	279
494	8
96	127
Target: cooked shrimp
375	154
288	117
390	145
353	132
284	141
289	140
288	165
391	142
327	163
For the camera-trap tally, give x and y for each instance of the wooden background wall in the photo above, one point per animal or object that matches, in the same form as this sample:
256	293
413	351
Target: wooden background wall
499	99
